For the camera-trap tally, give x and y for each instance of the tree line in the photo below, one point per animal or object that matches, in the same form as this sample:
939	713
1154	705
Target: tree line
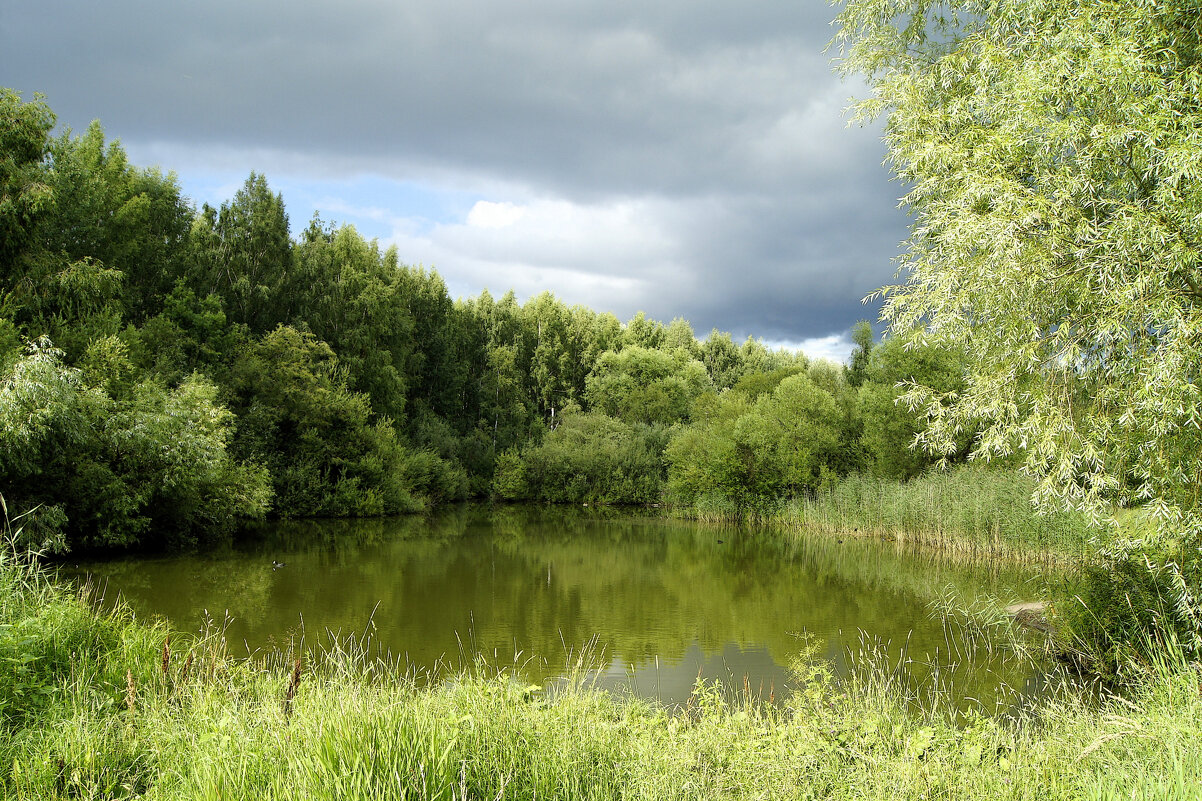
167	372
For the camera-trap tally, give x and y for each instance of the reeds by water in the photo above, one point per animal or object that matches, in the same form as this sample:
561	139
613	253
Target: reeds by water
983	512
968	510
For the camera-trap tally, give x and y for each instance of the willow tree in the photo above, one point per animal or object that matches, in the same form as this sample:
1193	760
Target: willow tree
1051	154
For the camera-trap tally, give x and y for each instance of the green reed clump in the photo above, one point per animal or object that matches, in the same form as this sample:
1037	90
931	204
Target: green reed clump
48	641
967	508
710	508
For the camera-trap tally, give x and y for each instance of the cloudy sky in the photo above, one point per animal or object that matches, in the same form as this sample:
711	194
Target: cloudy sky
687	159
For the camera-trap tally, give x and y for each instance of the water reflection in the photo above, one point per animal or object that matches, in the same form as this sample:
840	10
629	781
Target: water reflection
657	603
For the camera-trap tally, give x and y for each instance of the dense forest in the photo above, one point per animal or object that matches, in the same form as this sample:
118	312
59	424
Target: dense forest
168	371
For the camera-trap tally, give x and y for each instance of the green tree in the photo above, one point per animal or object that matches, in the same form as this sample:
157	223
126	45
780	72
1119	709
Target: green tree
24	192
891	428
807	424
643	333
863	339
753	385
547	324
745	458
189	335
244	254
679	336
297	417
146	465
640	385
122	217
722	358
1051	155
506	416
438	369
351	296
46	290
588	457
755	356
589	335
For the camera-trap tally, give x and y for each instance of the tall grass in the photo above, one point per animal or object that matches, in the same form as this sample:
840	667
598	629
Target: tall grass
970	509
124	713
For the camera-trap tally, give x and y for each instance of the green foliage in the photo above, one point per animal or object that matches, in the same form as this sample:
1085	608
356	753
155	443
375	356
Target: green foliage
437	370
143	464
643	333
861	354
103	247
503	404
679	336
722	359
297	417
587	457
753	385
639	385
1050	151
24	193
360	303
124	218
354	384
752	456
893	430
547	322
70	302
1125	606
243	253
189	335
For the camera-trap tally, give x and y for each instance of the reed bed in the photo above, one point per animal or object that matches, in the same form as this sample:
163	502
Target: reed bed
975	511
967	511
96	705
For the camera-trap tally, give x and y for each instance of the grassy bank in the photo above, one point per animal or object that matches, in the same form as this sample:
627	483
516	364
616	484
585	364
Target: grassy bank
100	706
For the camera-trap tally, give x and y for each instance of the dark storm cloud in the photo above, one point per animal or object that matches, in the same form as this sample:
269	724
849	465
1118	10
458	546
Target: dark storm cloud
809	278
724	117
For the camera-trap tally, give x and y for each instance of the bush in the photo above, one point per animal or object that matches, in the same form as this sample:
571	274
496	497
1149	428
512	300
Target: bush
1124	608
752	457
107	467
587	458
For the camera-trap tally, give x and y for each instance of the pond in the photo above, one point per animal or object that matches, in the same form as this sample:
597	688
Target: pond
652	603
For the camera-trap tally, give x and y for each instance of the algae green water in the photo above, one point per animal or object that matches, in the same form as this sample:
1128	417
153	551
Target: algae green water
653	603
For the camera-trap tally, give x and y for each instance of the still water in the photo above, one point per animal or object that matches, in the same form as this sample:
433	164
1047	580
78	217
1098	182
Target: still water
653	603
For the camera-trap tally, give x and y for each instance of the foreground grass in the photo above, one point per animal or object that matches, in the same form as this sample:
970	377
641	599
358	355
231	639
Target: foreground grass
100	706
